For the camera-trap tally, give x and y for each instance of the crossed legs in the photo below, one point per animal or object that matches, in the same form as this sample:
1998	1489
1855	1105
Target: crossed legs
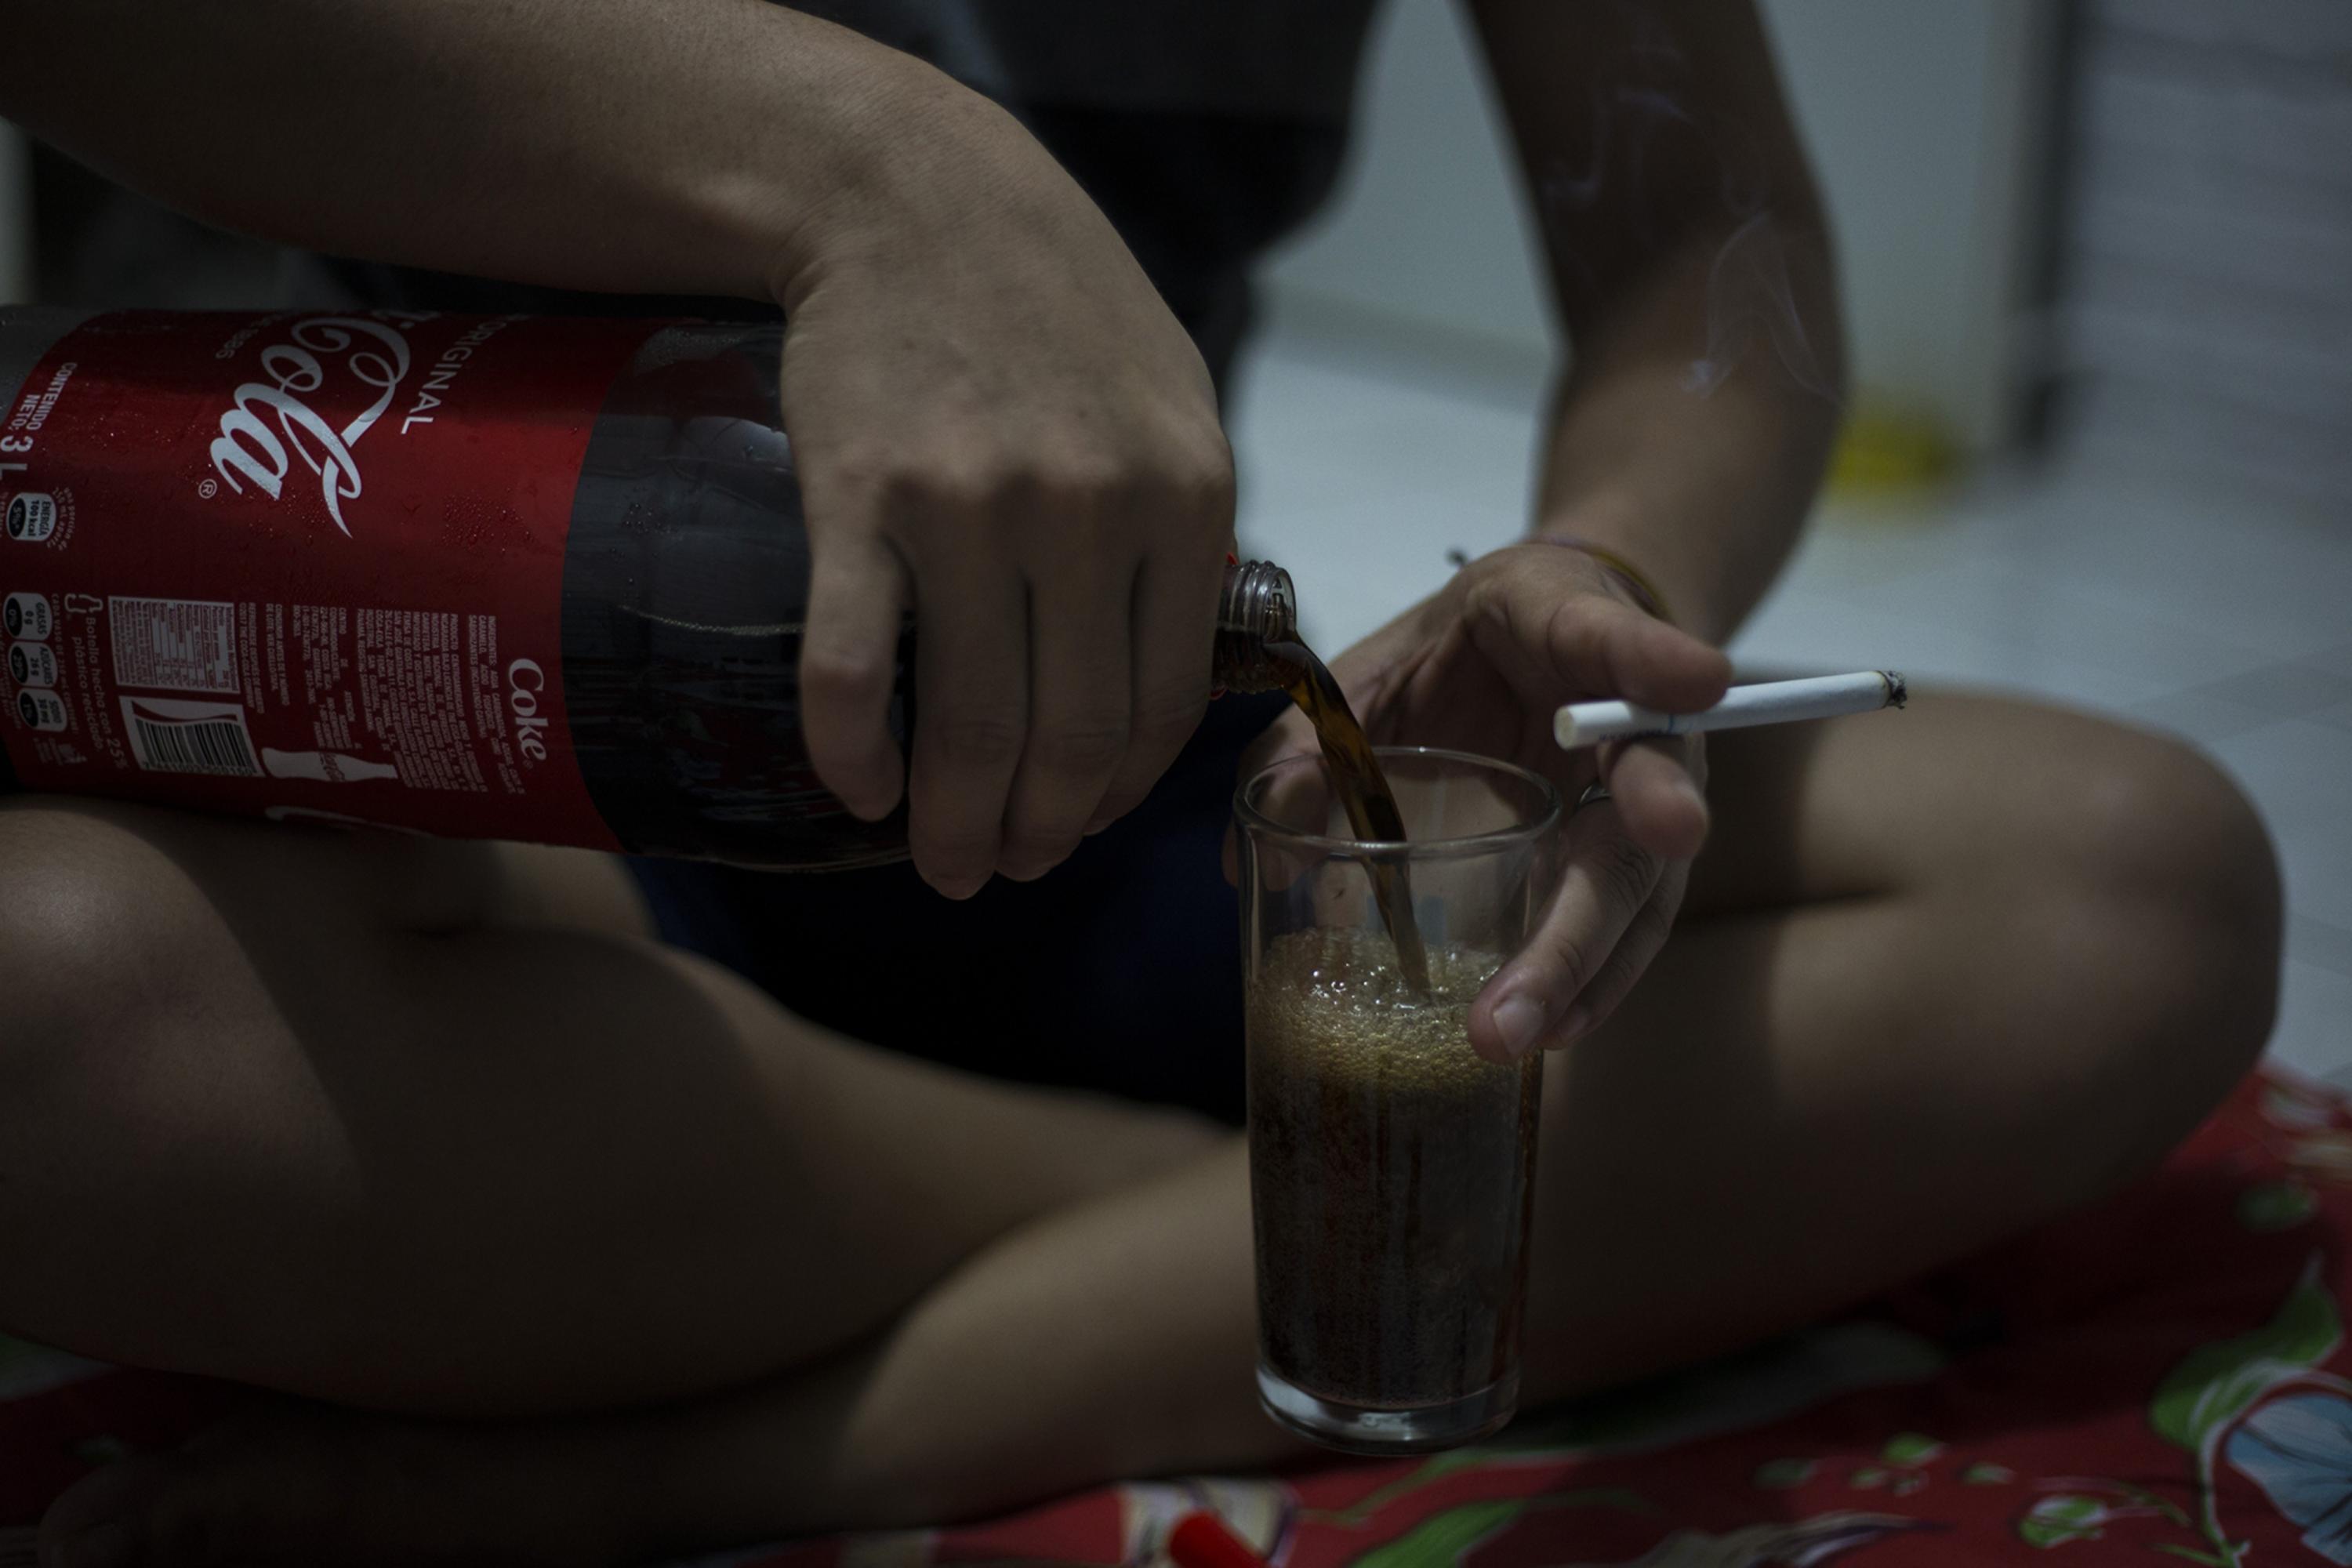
623	1258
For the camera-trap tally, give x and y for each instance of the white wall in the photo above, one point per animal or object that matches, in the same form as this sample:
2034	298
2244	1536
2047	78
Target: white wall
1925	124
1429	228
15	218
1919	119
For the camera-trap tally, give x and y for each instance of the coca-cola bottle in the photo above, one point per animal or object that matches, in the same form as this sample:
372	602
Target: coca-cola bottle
505	577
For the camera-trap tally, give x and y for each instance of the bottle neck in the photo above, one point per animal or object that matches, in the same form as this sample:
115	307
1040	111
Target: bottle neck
1258	608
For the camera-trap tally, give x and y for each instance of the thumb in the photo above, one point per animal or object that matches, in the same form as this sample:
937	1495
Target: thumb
1554	632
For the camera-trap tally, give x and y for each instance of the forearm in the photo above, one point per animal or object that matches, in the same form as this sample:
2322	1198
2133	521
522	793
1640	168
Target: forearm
600	144
1692	431
1690	261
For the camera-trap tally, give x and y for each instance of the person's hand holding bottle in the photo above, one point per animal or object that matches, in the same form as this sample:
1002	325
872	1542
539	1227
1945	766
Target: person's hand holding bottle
1001	429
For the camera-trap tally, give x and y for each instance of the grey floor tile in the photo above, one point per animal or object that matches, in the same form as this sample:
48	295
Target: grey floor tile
2198	717
2286	690
2320	943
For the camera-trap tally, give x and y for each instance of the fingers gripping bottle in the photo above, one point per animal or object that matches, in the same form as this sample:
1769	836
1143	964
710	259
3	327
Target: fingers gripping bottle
493	577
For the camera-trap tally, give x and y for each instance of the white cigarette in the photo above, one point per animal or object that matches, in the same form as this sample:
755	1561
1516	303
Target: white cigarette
1773	702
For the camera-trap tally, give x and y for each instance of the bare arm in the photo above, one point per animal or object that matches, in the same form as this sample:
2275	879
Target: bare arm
606	144
1690	263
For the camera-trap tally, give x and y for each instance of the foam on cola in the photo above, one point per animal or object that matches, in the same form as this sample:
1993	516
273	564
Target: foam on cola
1390	1168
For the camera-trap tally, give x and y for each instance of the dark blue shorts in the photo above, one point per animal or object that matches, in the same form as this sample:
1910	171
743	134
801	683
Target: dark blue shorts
1120	971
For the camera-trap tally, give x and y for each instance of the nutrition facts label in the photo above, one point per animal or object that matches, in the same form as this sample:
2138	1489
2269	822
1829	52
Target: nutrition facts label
174	645
301	565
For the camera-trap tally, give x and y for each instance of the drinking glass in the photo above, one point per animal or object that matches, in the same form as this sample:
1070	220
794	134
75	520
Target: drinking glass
1391	1169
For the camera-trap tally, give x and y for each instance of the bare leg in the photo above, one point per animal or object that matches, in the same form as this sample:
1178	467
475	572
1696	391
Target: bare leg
1978	927
1943	976
284	1107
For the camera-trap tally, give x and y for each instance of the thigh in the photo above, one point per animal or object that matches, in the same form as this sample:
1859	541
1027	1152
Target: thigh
566	889
295	1109
1942	974
1959	790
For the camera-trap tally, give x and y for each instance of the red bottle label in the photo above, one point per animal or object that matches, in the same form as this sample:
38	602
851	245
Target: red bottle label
304	565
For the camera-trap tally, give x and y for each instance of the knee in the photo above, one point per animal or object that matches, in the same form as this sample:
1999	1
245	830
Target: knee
92	932
2172	889
2174	846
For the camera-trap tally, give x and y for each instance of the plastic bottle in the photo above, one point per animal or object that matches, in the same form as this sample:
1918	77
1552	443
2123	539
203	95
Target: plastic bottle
505	577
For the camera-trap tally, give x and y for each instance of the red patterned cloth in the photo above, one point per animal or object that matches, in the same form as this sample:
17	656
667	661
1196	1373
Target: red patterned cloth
2165	1375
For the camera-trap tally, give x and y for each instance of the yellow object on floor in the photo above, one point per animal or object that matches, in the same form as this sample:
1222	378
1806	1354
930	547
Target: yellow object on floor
1883	449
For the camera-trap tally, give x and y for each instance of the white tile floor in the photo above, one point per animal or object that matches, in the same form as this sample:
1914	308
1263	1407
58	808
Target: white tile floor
2221	614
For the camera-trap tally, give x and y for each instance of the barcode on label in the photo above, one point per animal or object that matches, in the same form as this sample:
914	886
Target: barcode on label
213	741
